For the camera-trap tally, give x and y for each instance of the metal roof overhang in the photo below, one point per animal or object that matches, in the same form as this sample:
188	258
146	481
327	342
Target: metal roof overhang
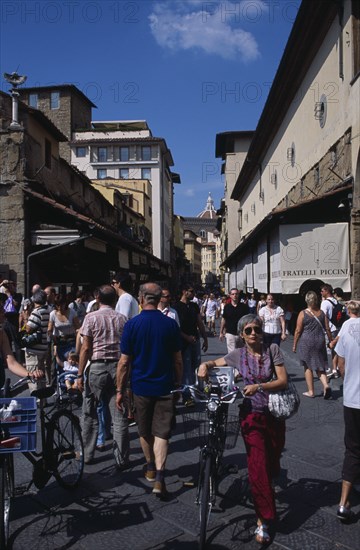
105	233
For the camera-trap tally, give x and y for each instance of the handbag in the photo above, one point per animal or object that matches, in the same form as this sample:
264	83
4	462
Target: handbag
284	404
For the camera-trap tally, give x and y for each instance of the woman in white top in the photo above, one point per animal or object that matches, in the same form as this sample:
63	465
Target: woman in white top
63	326
273	319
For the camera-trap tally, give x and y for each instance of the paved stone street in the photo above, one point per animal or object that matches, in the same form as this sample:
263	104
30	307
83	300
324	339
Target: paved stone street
112	510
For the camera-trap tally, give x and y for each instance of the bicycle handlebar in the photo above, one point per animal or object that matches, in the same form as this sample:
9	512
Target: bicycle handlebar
13	389
202	396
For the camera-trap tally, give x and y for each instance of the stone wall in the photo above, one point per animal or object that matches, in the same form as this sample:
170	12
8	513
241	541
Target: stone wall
12	223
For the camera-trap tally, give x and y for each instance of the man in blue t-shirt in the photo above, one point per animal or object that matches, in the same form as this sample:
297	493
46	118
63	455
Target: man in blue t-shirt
151	344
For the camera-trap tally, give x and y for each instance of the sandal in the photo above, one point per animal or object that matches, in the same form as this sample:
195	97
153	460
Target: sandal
327	393
262	534
308	394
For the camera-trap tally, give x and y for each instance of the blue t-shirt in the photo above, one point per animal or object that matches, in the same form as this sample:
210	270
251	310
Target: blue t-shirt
151	339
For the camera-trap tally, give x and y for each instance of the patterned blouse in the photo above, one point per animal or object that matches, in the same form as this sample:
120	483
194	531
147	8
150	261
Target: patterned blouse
256	370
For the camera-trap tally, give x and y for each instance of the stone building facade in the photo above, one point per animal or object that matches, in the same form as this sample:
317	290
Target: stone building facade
65	105
298	191
56	228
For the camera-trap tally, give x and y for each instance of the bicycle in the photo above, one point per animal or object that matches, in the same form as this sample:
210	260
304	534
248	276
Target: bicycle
61	454
213	428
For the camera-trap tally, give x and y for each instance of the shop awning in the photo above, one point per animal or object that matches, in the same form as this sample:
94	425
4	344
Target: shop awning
300	252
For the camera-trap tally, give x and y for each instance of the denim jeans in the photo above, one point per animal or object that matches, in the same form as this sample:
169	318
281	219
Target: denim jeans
191	356
272	338
104	417
101	385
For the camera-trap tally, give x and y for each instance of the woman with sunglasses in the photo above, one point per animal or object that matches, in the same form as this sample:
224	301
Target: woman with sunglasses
263	434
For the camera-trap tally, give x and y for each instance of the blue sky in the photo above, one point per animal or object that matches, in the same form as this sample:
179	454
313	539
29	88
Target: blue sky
191	68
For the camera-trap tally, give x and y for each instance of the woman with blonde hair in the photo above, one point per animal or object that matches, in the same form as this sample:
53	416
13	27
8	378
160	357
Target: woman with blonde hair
311	326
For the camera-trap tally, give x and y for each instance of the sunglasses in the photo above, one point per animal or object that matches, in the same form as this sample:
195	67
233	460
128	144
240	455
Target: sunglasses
249	330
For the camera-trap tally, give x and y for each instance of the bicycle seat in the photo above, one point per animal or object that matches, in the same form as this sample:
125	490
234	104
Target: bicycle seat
43	393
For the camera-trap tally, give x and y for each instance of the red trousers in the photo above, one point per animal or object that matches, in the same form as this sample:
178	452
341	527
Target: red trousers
264	438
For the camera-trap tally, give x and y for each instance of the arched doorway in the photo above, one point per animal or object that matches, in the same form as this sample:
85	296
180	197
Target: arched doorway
311	284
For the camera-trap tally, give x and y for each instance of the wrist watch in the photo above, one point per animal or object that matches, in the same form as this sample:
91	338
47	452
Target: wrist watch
260	388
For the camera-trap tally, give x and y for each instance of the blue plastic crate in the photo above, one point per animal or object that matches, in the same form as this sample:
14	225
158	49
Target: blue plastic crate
19	431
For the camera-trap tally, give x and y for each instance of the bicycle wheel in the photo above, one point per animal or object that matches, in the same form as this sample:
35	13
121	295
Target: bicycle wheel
65	451
205	497
6	494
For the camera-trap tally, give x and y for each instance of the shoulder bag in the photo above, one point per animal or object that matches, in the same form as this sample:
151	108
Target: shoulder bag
284	403
317	319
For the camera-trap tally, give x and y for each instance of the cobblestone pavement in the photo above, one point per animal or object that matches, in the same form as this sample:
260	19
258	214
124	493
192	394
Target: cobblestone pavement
117	510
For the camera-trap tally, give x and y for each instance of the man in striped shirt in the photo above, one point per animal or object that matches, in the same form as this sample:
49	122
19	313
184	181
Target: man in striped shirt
36	353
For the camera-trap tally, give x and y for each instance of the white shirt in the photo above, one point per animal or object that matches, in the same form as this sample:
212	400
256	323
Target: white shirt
271	319
127	305
211	308
90	305
172	313
326	306
348	347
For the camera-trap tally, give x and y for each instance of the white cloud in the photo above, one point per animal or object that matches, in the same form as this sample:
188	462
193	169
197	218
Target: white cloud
212	27
189	193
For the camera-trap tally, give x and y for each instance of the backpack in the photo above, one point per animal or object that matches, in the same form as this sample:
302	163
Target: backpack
338	315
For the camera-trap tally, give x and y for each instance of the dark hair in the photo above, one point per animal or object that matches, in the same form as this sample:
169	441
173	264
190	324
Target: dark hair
339	292
39	297
107	295
60	299
125	281
186	286
328	288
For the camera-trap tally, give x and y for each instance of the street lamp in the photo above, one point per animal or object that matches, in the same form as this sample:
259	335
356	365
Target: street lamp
15	80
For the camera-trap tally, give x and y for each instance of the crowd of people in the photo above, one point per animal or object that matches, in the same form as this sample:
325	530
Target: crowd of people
126	355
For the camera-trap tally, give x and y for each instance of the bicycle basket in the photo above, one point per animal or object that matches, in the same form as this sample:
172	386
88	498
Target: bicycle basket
196	425
18	427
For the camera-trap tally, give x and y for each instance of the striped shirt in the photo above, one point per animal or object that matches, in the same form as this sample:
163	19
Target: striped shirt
38	321
105	327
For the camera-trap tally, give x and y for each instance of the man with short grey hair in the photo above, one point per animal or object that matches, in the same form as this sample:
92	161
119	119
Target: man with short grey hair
151	344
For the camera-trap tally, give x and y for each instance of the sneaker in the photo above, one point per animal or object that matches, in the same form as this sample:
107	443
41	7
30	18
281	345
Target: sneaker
150	475
159	489
344	514
262	535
